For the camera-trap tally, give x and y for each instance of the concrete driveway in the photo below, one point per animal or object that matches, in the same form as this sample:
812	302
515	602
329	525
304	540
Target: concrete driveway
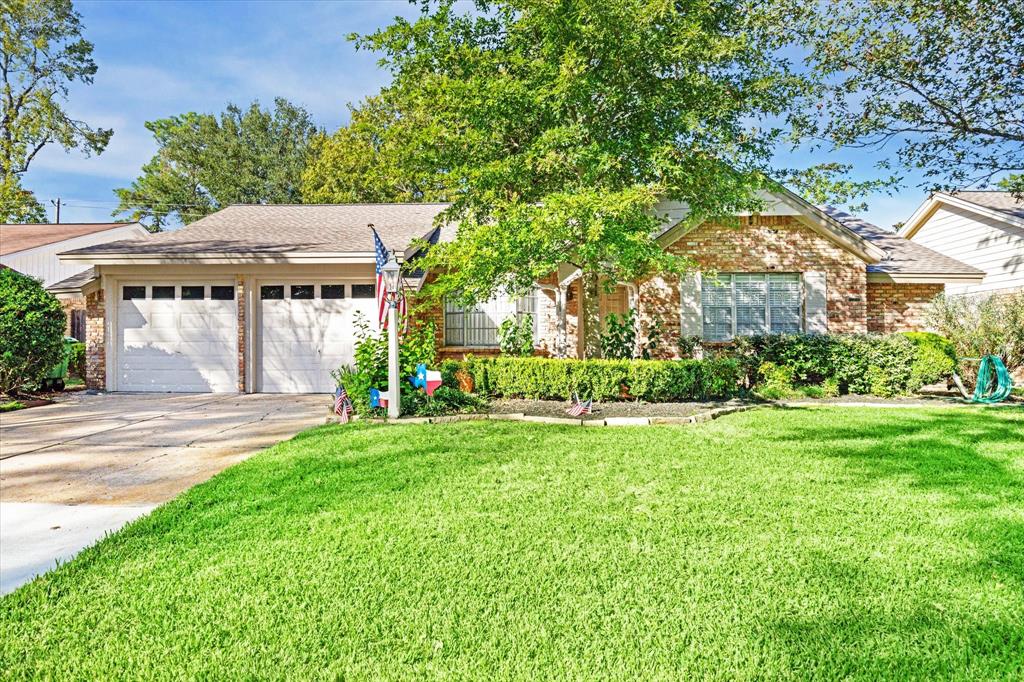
72	472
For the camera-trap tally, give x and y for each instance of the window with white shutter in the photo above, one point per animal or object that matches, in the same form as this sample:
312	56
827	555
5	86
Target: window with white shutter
751	303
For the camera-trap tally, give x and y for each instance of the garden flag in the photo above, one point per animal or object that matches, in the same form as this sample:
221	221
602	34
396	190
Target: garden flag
381	259
580	407
378	399
342	405
427	379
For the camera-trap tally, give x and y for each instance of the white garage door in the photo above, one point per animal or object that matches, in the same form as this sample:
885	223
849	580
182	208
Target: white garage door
177	337
308	329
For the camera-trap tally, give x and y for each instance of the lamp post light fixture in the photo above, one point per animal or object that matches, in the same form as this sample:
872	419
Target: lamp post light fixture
391	273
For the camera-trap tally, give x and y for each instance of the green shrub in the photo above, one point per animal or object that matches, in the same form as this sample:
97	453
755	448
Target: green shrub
76	363
775	381
935	359
31	331
603	380
515	336
865	363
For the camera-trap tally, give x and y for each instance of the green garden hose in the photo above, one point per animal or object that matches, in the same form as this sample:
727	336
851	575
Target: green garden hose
994	382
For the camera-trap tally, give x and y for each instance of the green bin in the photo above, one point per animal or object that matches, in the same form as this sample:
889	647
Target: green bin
54	379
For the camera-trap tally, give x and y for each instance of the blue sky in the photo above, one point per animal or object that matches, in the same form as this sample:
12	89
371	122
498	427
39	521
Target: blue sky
157	59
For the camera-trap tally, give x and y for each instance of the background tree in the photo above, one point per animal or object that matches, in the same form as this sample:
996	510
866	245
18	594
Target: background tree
42	51
250	156
557	126
370	159
31	331
942	81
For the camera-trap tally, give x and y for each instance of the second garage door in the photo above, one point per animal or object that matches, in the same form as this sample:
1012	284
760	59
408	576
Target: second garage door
308	329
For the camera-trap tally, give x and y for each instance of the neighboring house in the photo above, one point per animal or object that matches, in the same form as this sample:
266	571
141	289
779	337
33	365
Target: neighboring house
32	250
266	298
983	229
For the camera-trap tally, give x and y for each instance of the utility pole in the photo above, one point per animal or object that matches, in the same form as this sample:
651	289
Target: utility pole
57	204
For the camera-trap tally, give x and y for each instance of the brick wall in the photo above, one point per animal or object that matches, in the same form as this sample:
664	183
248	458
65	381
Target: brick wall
899	307
70	305
95	348
762	244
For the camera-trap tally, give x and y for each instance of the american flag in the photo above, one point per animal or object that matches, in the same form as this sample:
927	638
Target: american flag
580	407
342	405
381	255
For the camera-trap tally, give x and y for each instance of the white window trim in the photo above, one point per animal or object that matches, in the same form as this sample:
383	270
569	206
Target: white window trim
720	277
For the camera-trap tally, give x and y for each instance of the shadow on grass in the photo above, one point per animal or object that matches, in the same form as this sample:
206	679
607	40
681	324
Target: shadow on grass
973	460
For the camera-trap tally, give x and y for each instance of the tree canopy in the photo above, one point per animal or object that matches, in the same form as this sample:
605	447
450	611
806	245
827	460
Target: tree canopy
42	52
557	126
939	81
205	162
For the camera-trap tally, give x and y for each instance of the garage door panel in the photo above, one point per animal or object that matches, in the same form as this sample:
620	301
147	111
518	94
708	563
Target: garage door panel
303	340
177	345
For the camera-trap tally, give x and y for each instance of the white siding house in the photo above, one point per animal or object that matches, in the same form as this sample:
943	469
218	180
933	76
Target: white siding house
983	229
32	249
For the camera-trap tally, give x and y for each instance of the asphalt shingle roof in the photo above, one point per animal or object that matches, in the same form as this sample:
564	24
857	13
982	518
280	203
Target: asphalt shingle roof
997	201
15	238
74	282
273	229
903	256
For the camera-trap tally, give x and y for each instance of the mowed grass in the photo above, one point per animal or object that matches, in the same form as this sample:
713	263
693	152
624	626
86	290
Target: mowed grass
803	543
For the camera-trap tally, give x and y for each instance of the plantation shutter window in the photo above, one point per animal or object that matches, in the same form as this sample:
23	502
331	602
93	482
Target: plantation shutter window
784	298
747	304
477	326
717	303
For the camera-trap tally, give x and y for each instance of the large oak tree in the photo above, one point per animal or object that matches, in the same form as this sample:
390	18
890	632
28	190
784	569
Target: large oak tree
558	125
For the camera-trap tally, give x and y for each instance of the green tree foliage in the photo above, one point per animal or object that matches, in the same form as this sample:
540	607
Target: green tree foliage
31	330
42	52
204	162
557	127
360	164
939	81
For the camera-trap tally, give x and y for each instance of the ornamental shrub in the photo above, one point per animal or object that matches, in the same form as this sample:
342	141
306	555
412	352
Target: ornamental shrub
935	359
31	331
76	363
982	325
603	380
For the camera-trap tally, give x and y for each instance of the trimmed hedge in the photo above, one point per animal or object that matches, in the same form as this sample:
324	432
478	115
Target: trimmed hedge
551	379
882	365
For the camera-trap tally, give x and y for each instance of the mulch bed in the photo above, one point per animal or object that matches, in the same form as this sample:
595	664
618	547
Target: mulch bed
557	408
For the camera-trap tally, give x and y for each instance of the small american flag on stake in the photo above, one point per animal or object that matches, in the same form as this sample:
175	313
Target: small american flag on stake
579	407
342	405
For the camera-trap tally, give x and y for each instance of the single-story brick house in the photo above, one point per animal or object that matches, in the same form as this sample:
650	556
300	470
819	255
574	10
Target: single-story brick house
265	298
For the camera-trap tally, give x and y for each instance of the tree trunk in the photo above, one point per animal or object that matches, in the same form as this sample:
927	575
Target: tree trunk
591	314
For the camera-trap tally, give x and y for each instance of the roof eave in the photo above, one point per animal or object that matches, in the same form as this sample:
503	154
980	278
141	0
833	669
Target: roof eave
925	211
924	278
217	258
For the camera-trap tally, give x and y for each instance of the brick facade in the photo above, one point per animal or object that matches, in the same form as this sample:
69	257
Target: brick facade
95	341
899	307
71	305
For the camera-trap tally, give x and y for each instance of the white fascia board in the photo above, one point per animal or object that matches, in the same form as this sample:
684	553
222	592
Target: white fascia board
924	278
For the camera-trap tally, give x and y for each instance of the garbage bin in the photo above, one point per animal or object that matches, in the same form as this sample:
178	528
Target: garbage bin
54	379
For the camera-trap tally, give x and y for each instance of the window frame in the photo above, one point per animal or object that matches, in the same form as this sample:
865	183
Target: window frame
734	305
452	312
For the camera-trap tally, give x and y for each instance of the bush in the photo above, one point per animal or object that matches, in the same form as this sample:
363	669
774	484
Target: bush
982	325
551	379
515	336
775	381
935	359
863	364
76	363
31	331
417	346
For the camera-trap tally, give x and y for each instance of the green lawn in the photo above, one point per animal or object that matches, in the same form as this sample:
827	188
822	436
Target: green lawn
779	543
